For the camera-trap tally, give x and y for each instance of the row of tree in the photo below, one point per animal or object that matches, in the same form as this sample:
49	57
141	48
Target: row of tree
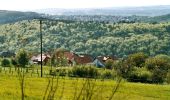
139	67
21	60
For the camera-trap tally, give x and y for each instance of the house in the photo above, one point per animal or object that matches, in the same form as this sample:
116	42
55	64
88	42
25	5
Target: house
101	60
70	57
98	63
73	58
105	58
37	59
83	59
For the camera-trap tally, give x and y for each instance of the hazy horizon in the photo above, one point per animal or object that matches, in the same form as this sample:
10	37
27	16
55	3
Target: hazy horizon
29	5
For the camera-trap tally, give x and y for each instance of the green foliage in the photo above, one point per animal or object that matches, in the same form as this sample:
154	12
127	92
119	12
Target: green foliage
157	63
168	77
137	59
14	62
159	67
53	60
85	71
140	75
22	58
61	71
5	62
162	56
109	64
94	38
108	74
58	58
121	67
139	68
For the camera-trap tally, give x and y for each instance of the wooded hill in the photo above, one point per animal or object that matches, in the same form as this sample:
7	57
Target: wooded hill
95	38
14	16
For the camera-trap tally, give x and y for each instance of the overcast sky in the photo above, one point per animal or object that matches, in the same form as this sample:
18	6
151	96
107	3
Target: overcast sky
41	4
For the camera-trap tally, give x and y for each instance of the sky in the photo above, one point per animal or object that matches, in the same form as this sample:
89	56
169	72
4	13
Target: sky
28	5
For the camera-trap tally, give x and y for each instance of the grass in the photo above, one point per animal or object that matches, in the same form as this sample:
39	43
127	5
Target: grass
68	86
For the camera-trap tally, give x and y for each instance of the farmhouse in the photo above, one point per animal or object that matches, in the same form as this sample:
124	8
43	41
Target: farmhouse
70	57
83	59
37	59
101	60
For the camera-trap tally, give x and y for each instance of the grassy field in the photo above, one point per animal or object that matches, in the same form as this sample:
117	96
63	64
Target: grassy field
68	88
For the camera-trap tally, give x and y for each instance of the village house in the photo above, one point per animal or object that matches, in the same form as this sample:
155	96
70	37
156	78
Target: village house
83	59
37	59
101	60
70	57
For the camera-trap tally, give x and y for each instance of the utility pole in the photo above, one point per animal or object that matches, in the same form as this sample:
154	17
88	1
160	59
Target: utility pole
41	46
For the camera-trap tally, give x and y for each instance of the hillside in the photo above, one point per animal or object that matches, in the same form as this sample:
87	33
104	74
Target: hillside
163	18
114	11
95	38
14	16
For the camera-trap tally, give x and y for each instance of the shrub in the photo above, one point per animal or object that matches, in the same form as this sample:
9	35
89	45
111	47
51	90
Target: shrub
13	62
108	74
62	72
109	64
168	77
84	71
140	75
159	68
59	71
22	58
5	63
137	59
121	68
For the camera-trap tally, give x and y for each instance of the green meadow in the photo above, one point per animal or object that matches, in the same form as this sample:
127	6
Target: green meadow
69	88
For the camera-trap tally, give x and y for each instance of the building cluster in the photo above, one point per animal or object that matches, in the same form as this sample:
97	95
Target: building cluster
72	58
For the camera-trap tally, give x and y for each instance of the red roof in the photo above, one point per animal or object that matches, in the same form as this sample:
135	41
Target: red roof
83	59
69	55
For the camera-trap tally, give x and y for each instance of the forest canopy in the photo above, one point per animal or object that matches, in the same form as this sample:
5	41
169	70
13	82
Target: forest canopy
95	38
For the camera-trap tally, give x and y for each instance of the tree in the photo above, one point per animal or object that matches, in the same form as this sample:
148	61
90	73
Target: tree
22	58
137	59
14	62
159	68
60	58
5	62
109	64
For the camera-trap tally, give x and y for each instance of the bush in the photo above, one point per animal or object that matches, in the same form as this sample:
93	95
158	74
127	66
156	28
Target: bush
121	68
13	62
62	72
168	77
137	59
159	68
109	64
59	71
108	74
85	71
22	58
5	63
140	75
